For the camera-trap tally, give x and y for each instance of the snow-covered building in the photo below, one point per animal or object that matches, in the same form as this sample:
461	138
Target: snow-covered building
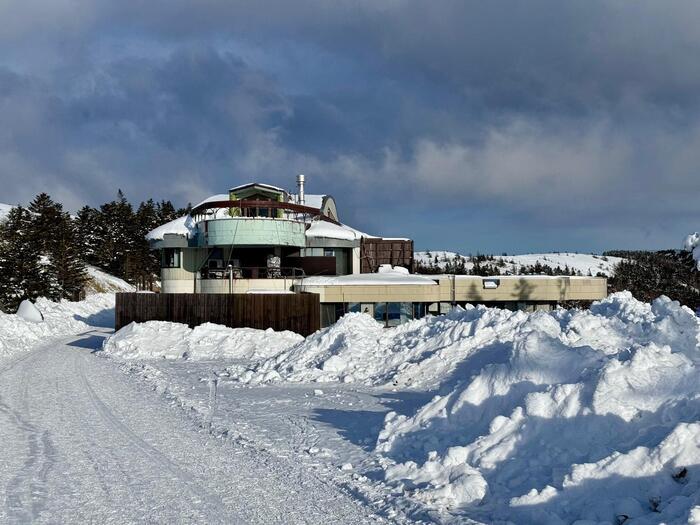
259	238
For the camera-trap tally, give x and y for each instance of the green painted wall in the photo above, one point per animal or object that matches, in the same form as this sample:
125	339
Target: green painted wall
243	231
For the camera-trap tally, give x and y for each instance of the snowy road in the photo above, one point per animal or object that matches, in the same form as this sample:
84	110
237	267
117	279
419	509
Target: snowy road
82	442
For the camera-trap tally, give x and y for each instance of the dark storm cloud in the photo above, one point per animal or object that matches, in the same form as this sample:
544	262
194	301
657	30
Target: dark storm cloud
575	120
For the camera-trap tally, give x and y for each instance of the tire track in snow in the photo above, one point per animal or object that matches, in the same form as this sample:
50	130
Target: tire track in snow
199	496
26	493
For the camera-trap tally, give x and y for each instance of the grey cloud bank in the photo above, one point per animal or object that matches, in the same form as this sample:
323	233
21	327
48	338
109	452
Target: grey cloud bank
538	125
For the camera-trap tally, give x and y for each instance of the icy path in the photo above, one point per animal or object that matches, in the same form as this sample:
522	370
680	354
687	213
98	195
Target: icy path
82	442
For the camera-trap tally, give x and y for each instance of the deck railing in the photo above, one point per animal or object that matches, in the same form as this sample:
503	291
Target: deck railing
252	272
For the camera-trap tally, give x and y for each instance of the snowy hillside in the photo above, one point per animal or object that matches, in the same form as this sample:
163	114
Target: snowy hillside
102	282
4	210
547	417
512	264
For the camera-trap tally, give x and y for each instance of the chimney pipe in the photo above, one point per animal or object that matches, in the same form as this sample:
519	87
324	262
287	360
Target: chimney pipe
300	185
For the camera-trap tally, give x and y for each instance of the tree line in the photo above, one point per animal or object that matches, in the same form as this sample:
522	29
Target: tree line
44	251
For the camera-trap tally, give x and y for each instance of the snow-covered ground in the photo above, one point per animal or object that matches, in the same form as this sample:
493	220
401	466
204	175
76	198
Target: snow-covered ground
511	264
18	335
478	416
483	414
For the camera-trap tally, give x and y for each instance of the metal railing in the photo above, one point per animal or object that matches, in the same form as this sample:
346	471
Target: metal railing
252	272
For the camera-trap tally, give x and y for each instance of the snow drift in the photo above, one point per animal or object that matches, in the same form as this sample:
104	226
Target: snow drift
577	415
18	334
570	416
161	339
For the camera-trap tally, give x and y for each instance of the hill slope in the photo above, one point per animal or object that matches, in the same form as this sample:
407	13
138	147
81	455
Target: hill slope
513	264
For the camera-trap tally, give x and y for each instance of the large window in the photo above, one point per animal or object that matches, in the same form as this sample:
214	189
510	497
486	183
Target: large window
171	258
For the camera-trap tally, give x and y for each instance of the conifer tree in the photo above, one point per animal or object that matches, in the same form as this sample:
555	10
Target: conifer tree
87	233
67	260
20	271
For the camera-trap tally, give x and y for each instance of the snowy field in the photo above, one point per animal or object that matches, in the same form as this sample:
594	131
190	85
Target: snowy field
479	416
511	264
483	415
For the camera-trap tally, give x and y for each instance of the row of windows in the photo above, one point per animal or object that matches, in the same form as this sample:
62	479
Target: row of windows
390	314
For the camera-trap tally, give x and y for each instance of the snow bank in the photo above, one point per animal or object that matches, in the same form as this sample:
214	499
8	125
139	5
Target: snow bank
29	312
563	416
18	335
160	339
692	244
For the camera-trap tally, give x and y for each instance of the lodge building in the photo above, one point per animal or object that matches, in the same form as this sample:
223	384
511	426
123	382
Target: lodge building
262	239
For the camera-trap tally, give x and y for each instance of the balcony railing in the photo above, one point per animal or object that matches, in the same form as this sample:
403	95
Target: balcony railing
252	272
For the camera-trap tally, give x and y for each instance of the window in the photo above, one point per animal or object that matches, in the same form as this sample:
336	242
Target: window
171	258
490	284
328	252
380	312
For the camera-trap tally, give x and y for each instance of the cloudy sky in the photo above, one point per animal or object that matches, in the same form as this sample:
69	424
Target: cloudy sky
484	126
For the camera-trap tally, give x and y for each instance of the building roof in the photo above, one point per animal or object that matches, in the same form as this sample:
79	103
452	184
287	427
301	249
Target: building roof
259	184
328	230
183	226
369	279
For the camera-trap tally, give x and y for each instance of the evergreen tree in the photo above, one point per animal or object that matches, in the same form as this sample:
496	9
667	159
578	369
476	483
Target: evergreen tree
70	275
20	271
115	231
87	229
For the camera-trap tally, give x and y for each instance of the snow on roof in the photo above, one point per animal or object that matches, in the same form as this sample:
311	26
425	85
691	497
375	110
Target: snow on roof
214	198
386	278
328	230
184	226
250	184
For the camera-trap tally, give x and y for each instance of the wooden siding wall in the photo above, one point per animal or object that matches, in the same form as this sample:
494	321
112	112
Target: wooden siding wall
375	252
299	313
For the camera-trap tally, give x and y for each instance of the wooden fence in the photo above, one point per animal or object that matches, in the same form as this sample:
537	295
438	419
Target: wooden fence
300	313
375	252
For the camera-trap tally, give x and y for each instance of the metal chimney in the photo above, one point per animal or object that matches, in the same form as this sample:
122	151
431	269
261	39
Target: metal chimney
300	185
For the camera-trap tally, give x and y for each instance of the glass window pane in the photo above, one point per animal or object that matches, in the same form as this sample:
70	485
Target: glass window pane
406	312
380	312
393	314
354	307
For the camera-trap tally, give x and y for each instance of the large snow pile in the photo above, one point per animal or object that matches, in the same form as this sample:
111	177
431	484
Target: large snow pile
512	264
17	334
692	244
161	339
421	353
102	282
572	415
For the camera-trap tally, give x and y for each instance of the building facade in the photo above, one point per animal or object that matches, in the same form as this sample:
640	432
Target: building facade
259	238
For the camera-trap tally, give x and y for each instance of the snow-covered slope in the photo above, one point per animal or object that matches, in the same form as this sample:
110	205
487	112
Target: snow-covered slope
17	335
511	264
4	210
102	282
